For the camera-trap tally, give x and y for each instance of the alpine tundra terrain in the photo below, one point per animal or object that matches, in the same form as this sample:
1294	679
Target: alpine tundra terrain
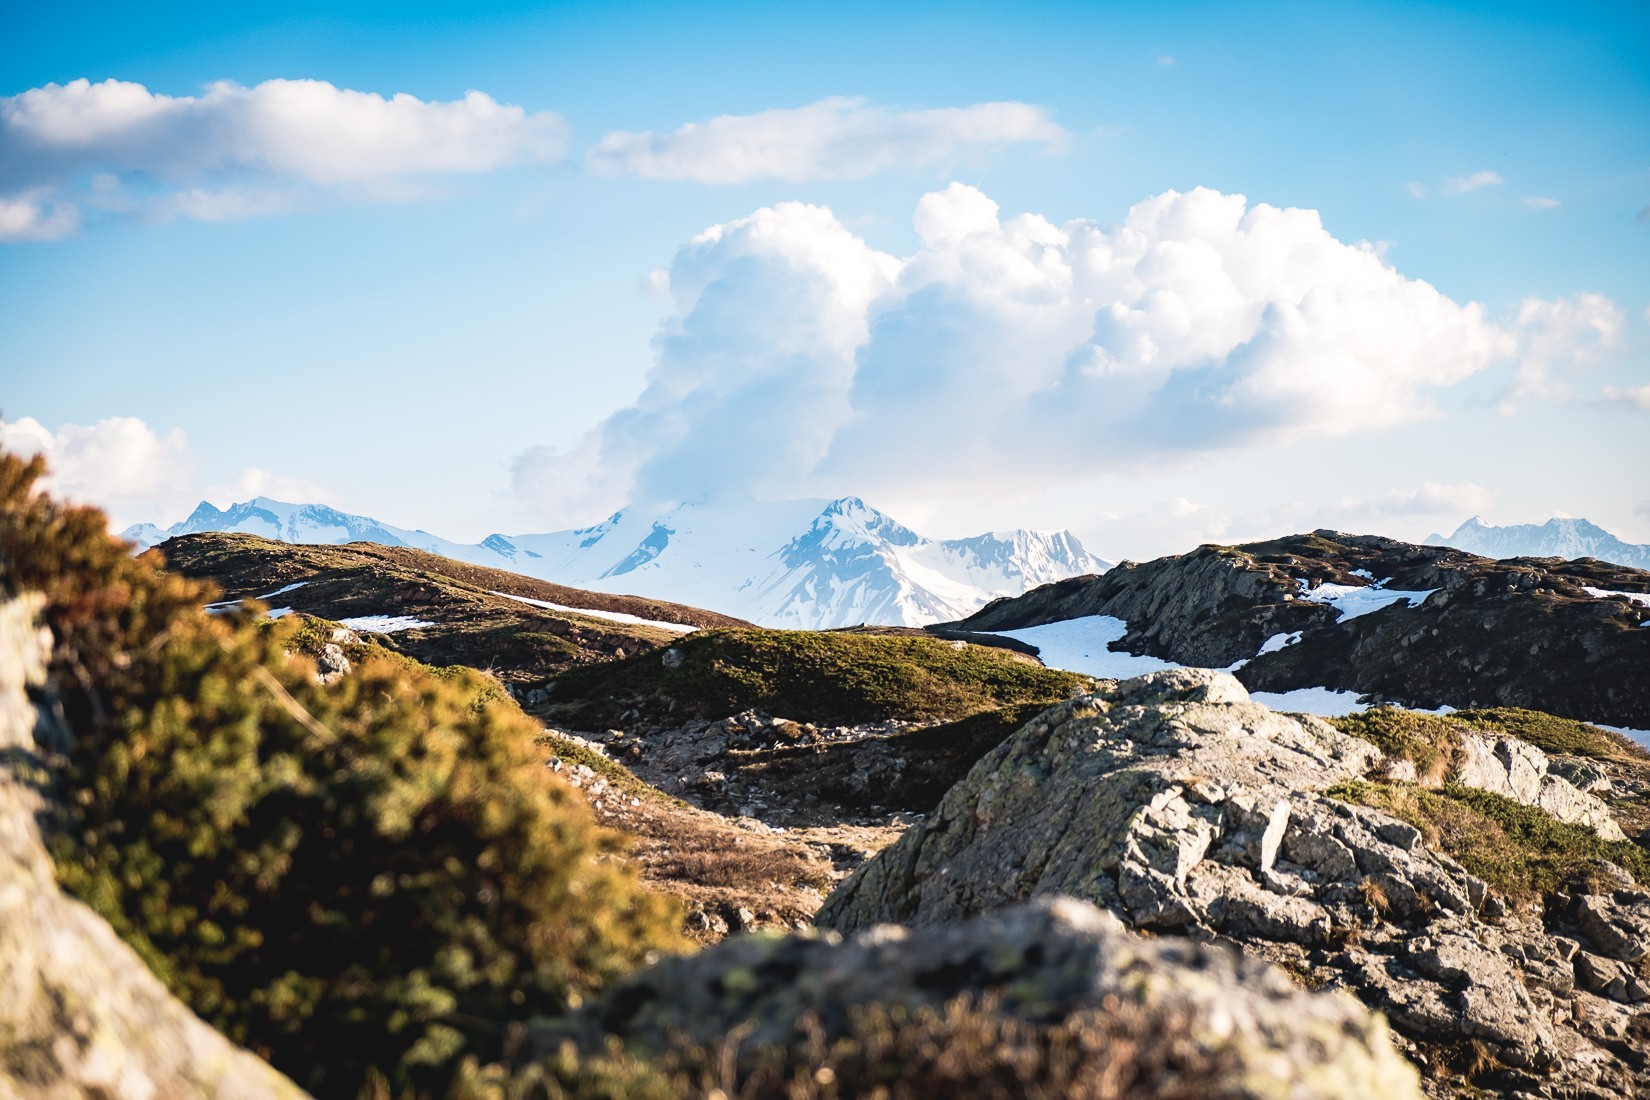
404	826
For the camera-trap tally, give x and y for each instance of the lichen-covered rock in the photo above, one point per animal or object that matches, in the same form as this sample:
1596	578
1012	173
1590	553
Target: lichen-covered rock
1261	1034
1182	806
81	1015
1523	773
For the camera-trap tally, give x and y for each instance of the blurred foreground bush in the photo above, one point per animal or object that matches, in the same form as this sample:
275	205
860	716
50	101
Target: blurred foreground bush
362	881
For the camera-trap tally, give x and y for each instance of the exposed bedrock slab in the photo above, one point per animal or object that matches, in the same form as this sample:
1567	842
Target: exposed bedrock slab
1182	806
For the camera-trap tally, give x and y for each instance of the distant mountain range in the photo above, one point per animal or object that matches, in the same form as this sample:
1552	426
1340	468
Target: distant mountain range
1557	538
803	564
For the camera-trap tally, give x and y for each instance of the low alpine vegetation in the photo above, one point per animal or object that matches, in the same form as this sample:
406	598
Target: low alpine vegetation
361	881
827	677
1520	851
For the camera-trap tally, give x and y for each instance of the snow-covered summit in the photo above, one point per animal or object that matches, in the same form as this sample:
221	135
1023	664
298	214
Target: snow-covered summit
1557	538
298	523
809	564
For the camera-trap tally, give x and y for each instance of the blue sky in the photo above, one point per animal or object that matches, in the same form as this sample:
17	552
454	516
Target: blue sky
496	318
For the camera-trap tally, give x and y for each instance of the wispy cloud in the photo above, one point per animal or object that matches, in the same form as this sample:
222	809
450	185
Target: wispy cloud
1461	185
1416	189
1635	397
234	151
1541	202
31	217
836	138
1558	338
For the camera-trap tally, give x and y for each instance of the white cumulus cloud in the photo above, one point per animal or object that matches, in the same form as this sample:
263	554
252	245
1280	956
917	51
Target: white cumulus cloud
120	463
234	150
799	360
135	473
834	138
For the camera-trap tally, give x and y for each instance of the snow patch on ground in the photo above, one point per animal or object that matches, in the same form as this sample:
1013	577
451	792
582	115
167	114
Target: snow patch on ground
294	586
384	624
1079	645
277	612
1278	641
1601	593
1324	702
1353	601
1641	736
611	616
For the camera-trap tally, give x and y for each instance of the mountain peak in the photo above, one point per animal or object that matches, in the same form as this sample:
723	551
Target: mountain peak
1559	537
810	563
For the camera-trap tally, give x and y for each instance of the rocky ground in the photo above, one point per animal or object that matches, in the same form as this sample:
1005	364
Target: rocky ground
1161	1017
1179	805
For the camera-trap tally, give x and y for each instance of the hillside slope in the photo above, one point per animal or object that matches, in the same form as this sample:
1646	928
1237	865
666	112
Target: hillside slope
434	608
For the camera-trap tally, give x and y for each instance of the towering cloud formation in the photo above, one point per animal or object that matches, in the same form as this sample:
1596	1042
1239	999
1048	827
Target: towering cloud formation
801	360
233	149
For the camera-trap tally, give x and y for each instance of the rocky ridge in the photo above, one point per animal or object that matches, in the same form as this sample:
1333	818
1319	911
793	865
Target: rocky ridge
1537	633
1181	806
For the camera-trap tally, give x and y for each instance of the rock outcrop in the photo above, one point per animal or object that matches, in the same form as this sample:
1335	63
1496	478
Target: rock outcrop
1238	1022
1536	633
1180	805
1517	770
81	1015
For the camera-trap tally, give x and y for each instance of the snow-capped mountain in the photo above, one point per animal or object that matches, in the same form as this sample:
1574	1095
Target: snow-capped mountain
805	564
301	523
1557	538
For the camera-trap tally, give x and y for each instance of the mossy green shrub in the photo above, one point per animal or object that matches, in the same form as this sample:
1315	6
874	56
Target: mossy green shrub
1430	742
823	677
361	881
1520	851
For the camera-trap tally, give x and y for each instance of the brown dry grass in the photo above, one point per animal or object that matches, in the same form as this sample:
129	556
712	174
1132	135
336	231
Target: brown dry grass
717	865
966	1048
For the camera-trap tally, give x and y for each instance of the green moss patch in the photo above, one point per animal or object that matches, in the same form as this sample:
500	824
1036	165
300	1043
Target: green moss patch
1564	736
1520	851
825	678
1430	742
